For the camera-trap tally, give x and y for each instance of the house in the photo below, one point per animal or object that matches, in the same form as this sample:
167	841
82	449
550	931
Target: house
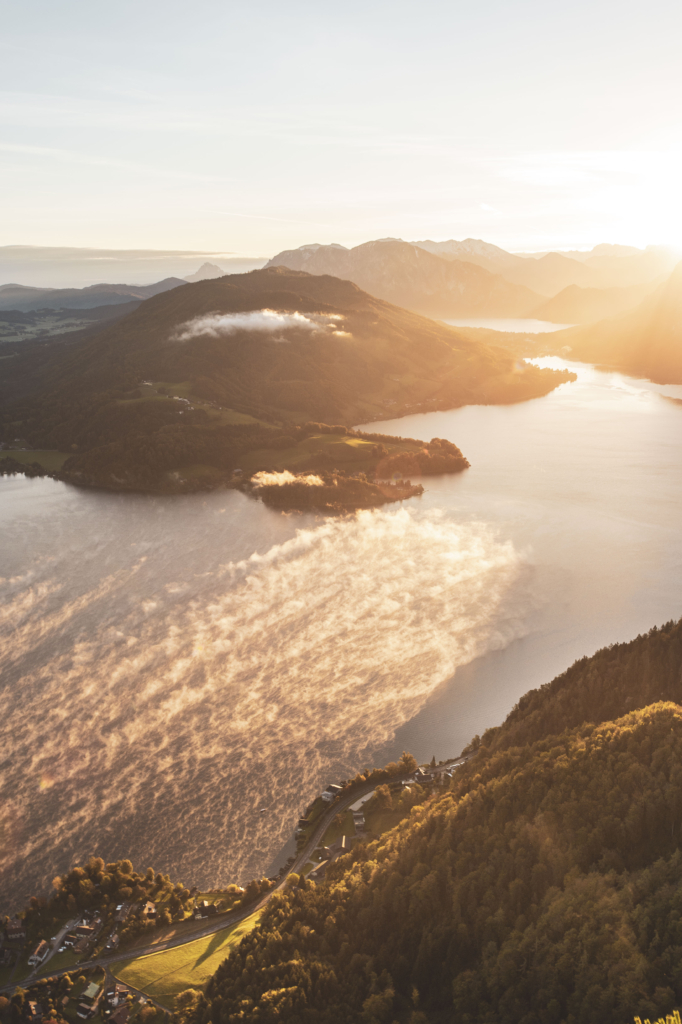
149	911
91	993
120	1016
84	931
122	911
116	995
204	909
89	999
39	953
359	821
331	792
341	846
14	929
35	1011
81	945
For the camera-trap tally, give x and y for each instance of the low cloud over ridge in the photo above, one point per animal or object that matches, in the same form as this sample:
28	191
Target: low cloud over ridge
270	321
266	479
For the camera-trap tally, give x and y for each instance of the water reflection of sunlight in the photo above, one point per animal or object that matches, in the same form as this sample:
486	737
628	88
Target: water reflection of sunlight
608	379
196	706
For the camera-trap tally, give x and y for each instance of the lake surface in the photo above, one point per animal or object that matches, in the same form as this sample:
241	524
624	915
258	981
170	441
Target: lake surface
514	324
180	676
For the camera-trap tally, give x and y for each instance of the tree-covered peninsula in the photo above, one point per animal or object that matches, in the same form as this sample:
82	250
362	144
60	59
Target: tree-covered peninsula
228	375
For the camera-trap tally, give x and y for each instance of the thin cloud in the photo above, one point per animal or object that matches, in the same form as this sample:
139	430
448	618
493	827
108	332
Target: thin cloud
265	479
269	321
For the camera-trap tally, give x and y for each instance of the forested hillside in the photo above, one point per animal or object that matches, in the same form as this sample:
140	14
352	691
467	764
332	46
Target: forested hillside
544	886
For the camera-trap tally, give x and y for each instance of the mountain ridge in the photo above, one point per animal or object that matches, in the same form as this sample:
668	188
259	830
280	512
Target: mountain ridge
404	274
27	298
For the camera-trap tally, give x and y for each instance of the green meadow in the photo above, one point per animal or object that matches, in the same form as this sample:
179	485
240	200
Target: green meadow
163	975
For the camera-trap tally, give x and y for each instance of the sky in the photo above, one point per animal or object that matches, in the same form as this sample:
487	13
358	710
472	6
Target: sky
251	128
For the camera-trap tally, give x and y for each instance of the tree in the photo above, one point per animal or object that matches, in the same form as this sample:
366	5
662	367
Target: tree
384	799
408	762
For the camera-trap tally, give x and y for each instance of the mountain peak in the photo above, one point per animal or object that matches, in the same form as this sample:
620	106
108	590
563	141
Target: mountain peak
206	272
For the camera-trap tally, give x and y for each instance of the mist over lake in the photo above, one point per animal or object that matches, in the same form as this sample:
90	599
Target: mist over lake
172	667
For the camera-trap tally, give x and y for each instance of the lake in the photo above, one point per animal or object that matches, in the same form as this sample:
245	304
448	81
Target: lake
515	325
182	675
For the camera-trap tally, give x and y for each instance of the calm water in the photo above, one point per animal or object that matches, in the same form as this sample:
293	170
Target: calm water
514	324
180	676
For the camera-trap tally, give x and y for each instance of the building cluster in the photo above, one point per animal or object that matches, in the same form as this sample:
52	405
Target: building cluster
422	776
81	938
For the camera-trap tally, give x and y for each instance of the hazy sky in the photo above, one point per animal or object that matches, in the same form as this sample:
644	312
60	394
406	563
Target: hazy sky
253	127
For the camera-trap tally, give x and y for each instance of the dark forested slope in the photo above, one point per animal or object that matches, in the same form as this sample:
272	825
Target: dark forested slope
613	682
544	886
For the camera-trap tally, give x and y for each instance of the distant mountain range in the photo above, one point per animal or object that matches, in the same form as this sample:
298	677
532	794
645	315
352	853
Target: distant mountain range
408	275
605	266
445	285
70	267
23	298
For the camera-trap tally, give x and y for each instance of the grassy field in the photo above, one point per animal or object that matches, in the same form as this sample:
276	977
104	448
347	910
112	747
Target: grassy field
63	961
149	393
163	975
338	828
340	451
346	452
50	461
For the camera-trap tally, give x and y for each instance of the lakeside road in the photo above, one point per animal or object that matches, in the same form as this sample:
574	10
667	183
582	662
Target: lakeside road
221	921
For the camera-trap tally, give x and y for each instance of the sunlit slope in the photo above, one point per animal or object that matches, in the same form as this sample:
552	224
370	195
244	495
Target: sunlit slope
377	356
163	975
646	342
575	305
545	885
